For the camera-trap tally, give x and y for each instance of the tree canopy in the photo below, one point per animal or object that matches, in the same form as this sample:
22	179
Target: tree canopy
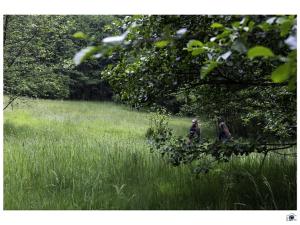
38	52
242	68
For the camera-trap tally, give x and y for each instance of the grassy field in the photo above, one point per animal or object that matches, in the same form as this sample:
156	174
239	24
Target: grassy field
91	155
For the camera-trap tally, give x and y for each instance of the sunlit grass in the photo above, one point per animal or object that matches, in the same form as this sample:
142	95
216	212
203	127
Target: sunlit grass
91	155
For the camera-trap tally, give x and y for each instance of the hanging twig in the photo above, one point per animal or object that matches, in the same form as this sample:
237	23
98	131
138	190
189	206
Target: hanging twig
262	162
293	154
12	99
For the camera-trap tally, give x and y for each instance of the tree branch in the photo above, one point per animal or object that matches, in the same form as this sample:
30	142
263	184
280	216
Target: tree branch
294	154
5	28
11	101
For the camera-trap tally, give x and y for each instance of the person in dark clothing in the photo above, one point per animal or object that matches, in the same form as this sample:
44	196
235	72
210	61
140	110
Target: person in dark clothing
194	132
224	134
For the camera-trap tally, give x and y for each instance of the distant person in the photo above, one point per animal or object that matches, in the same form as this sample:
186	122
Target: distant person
194	132
224	134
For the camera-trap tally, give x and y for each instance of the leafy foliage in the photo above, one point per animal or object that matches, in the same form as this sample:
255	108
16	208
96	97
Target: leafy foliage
258	51
38	52
240	67
203	154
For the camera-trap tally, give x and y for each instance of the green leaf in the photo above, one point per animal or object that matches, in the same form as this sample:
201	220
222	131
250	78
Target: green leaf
281	74
161	44
196	47
245	20
292	83
265	26
251	25
80	35
216	26
282	20
194	44
285	28
207	68
197	51
84	54
236	24
260	51
225	34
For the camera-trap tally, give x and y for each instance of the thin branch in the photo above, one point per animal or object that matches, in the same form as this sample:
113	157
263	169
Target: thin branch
20	51
281	148
294	154
11	101
5	29
262	162
277	144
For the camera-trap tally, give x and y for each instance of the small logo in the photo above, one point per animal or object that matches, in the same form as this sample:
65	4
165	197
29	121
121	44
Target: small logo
291	217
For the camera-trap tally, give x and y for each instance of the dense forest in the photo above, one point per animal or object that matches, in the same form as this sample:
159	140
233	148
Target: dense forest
38	57
242	69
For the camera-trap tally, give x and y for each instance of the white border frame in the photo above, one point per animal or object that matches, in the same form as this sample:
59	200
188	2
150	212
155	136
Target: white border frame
128	7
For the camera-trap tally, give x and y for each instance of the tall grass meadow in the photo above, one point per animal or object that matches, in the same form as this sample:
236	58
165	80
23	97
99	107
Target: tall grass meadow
94	156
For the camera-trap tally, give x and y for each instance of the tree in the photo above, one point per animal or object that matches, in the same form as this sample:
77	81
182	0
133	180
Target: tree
38	52
240	67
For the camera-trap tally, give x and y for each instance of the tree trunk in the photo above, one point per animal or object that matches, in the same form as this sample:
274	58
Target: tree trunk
5	22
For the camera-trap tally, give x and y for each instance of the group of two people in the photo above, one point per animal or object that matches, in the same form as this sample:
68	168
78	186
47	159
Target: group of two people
223	132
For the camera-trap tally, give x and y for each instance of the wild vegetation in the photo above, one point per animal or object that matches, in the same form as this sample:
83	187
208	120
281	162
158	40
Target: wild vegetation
91	155
160	71
241	68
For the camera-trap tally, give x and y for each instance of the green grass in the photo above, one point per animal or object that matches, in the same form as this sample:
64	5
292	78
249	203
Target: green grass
91	155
